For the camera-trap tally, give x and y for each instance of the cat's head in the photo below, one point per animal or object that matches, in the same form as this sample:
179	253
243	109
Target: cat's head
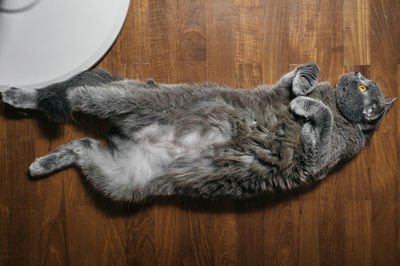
361	100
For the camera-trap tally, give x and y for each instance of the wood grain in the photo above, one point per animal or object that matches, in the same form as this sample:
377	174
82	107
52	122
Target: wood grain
308	230
138	44
356	27
351	218
384	179
357	232
4	207
192	40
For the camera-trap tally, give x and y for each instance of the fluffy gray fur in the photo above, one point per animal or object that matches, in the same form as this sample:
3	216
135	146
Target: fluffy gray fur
208	140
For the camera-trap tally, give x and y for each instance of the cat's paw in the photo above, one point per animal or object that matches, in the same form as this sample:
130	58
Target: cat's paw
62	157
310	108
40	167
300	106
49	163
306	79
52	161
19	98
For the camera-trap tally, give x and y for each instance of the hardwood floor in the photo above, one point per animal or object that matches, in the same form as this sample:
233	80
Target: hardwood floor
352	218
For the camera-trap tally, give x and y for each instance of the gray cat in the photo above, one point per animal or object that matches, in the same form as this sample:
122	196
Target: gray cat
208	140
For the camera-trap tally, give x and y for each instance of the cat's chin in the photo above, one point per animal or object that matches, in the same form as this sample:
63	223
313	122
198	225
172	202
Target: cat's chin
367	128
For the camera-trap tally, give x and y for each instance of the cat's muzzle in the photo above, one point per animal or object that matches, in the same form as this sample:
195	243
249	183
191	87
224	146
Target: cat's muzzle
373	113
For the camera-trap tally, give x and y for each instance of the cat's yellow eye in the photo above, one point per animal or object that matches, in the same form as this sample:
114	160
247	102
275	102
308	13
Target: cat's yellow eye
362	88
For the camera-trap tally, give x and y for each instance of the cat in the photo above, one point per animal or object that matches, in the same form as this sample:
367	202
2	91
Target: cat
208	140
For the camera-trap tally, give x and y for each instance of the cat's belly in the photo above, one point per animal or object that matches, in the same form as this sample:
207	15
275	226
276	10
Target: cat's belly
156	146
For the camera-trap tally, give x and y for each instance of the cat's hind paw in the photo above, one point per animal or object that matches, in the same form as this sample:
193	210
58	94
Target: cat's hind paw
306	79
38	168
56	160
19	98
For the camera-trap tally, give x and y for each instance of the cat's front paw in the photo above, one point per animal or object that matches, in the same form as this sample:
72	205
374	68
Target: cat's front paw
19	98
306	79
310	108
300	106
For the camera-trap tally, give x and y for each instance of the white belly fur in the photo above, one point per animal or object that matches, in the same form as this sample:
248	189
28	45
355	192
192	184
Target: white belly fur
156	146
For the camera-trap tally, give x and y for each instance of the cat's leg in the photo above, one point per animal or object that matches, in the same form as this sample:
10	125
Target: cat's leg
52	99
302	80
63	157
20	98
319	121
107	173
94	92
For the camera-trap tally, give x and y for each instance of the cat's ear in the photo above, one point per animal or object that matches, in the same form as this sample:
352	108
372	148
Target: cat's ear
388	103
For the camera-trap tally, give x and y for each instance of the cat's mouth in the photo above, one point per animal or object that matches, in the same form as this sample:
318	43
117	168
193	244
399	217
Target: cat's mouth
372	117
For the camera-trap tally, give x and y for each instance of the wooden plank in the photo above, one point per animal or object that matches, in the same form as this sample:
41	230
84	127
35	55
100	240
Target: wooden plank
139	71
35	213
306	214
192	72
35	208
163	40
247	3
167	233
248	75
329	43
384	162
396	114
225	245
384	179
37	237
135	34
192	38
93	238
219	22
140	233
331	220
5	258
20	154
356	36
220	42
196	238
247	37
5	204
357	180
358	232
220	66
280	236
303	31
207	235
18	122
252	228
275	45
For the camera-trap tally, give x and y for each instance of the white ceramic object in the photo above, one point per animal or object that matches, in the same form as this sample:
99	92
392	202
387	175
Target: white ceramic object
16	5
46	41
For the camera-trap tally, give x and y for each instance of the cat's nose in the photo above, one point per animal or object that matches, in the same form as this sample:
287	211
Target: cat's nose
371	110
